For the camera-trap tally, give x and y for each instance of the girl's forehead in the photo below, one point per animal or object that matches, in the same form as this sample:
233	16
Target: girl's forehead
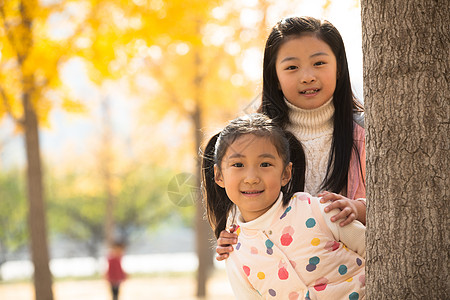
250	137
251	144
307	41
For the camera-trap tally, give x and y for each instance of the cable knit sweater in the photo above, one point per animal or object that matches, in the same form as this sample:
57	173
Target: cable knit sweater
314	129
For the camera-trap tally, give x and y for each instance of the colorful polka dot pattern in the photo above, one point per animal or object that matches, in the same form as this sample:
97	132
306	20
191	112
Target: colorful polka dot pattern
238	230
304	197
283	274
285	212
316	265
246	270
362	280
269	245
286	237
321	284
313	262
342	269
332	246
315	242
307	296
310	223
358	261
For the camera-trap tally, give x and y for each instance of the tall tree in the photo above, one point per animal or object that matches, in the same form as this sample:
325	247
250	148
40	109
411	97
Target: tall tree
29	69
106	158
406	67
19	30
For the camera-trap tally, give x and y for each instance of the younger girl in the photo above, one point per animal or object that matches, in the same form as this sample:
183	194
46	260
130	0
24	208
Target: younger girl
307	91
287	246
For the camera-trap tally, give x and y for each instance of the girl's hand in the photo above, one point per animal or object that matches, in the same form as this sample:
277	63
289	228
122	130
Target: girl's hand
225	244
350	209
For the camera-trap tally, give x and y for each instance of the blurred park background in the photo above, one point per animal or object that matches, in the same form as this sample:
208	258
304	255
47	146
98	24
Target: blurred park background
103	108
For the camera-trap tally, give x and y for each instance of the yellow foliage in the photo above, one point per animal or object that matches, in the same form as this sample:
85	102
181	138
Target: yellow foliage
73	106
175	54
326	4
29	58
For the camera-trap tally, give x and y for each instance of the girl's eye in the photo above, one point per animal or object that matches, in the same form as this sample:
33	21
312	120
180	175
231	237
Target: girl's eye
265	164
319	63
238	165
291	68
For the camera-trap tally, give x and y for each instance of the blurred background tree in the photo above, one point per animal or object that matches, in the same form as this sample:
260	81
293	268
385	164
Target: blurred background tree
29	72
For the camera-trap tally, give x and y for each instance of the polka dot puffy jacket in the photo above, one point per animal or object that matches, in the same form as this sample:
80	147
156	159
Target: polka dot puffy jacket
298	257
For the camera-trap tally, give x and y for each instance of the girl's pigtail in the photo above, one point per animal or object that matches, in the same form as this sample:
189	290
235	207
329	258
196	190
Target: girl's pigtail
218	205
297	157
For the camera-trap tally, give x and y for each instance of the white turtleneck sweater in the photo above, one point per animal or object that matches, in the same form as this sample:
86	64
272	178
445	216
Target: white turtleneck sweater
314	129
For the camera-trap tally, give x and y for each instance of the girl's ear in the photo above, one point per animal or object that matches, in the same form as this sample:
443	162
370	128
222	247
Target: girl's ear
287	174
218	178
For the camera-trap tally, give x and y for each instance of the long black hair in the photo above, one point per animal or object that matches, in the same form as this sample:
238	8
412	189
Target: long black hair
218	205
345	103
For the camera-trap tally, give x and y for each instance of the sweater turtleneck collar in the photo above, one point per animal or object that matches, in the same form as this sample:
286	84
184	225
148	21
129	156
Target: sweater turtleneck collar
264	221
311	123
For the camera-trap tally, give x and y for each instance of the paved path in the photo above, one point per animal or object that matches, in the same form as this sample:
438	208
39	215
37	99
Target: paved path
135	288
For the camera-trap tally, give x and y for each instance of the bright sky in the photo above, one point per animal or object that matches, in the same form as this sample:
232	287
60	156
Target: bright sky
68	132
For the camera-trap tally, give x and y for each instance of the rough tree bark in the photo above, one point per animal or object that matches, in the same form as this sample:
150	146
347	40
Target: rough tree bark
406	92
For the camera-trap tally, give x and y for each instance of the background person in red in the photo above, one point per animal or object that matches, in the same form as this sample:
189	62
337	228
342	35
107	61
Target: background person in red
115	274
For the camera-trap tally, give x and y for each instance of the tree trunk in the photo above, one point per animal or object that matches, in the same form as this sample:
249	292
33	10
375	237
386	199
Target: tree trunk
203	230
106	169
37	212
203	236
406	67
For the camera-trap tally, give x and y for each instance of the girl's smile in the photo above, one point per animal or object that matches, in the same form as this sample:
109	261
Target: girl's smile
252	193
310	92
306	69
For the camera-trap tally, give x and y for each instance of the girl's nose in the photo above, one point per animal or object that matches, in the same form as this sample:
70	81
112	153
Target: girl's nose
307	76
251	177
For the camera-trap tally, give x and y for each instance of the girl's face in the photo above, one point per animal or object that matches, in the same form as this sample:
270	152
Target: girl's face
252	174
306	68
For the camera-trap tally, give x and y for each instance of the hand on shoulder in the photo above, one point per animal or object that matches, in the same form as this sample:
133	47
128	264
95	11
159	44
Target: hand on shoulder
348	208
225	244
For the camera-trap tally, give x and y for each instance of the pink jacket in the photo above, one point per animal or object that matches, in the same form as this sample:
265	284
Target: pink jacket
356	187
